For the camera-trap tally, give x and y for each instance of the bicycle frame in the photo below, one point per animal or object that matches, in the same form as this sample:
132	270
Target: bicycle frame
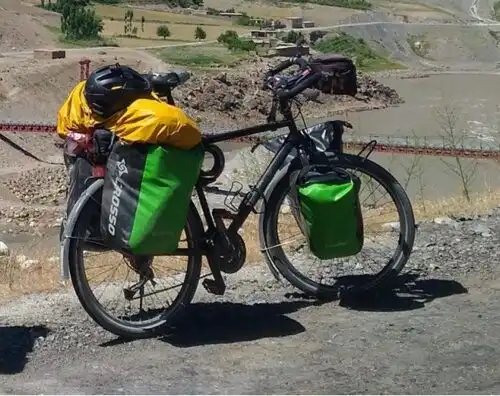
294	139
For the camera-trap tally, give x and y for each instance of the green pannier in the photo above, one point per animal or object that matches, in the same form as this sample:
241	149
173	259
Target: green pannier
329	212
146	196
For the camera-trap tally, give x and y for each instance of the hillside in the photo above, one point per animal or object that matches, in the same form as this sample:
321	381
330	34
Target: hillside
23	26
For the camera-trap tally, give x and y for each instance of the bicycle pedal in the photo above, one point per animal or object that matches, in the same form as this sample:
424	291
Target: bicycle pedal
211	286
129	293
223	213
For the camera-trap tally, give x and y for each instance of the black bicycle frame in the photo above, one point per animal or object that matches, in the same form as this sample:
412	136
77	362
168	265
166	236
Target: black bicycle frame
246	206
293	140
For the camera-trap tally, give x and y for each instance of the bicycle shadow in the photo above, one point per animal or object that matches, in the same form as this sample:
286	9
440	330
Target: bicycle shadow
227	323
406	293
16	342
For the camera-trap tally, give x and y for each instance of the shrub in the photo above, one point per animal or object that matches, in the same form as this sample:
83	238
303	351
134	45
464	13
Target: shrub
199	33
163	31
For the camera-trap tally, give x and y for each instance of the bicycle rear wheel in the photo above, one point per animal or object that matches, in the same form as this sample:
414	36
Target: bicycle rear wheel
90	261
282	251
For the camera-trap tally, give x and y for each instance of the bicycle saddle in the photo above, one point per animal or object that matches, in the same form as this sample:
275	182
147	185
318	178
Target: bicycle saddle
163	82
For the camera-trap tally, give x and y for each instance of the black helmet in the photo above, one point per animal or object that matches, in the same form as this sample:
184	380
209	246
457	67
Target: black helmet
112	88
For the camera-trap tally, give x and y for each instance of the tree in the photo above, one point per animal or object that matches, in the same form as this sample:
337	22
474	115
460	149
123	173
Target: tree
142	22
163	31
199	33
244	20
231	40
78	19
128	22
291	37
316	35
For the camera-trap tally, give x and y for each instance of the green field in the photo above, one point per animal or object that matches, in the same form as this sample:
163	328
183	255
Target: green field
365	57
206	56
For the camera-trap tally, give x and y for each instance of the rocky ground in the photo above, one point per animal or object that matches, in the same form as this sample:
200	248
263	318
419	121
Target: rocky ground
436	331
235	98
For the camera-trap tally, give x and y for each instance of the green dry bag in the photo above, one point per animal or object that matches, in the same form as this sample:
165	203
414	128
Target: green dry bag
329	210
146	196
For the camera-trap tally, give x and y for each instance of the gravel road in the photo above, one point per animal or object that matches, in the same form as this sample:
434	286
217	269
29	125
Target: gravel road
437	332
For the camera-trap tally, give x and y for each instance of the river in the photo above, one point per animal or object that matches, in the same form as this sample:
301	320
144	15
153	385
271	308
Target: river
473	112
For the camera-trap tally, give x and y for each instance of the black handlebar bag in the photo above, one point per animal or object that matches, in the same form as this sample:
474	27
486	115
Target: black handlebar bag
339	74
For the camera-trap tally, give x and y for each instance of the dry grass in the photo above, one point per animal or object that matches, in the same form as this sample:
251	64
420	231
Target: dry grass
118	13
130	42
321	15
44	277
38	278
179	32
481	202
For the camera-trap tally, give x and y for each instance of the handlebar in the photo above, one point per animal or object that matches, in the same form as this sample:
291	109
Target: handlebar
283	87
287	87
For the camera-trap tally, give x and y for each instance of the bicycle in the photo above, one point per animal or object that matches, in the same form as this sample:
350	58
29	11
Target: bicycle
223	246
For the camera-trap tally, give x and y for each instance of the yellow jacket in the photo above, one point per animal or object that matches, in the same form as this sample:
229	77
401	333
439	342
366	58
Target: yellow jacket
148	120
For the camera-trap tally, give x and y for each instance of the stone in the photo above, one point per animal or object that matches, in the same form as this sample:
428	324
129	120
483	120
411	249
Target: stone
444	220
21	259
394	226
4	249
29	263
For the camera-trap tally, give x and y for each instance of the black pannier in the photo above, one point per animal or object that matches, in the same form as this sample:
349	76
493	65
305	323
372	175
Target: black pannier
339	72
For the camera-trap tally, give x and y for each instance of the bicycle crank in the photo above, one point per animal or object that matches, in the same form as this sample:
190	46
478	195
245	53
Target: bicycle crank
230	259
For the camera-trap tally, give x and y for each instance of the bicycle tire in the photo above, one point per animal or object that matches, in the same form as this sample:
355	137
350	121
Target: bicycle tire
97	312
276	257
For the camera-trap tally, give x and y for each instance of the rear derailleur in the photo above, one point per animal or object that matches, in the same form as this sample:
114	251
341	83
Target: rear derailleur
142	265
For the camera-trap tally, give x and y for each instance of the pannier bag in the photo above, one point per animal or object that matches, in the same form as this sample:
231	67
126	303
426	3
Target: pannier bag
80	177
339	74
146	196
329	210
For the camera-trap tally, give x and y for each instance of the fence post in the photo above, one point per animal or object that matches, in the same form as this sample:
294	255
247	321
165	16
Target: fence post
84	68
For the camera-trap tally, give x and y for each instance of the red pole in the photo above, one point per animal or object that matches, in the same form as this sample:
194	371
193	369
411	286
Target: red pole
84	69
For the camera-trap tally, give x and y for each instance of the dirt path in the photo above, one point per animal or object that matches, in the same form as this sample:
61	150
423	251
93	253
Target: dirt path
437	332
416	344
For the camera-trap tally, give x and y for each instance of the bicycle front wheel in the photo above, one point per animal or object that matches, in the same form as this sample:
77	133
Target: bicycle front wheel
131	296
286	247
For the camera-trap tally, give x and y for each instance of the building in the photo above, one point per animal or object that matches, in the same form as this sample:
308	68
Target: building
231	14
288	50
294	22
263	34
263	37
308	24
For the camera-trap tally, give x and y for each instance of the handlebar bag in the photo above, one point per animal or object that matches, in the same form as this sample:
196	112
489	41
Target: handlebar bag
146	196
339	74
328	210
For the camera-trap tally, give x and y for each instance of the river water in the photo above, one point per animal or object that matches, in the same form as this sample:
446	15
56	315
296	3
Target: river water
473	99
465	104
443	106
